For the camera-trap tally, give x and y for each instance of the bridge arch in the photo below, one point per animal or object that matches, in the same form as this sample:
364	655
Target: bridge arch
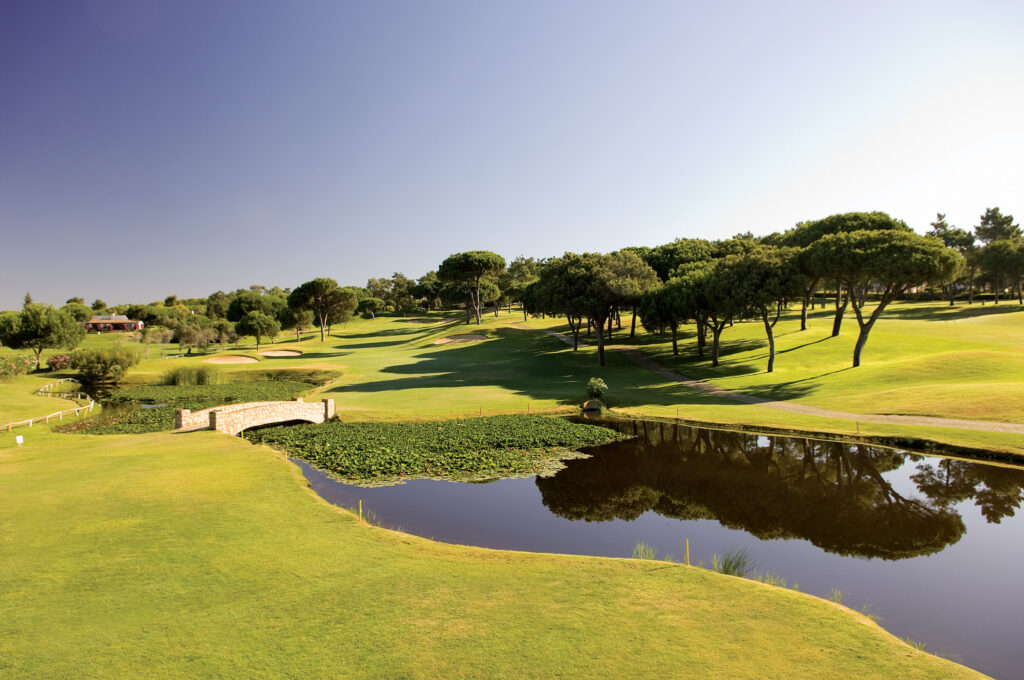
236	418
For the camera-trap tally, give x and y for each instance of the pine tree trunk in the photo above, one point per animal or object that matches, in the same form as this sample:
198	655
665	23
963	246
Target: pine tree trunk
771	340
675	344
715	342
837	323
600	342
632	327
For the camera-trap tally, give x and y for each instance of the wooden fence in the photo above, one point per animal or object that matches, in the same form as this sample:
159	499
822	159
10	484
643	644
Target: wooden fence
44	391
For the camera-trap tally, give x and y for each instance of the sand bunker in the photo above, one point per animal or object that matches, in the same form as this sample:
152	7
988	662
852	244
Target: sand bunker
465	337
232	359
281	353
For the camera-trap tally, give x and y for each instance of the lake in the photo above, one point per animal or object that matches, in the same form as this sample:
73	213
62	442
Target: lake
931	546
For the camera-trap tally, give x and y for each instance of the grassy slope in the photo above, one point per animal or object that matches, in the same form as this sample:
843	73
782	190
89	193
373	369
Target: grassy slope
18	401
200	555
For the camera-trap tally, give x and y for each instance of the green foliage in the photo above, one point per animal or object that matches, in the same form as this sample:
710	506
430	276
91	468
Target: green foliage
313	376
995	226
123	421
469	268
596	388
104	366
192	375
458	449
734	562
78	311
323	297
204	396
642	551
38	327
250	301
370	306
258	325
12	365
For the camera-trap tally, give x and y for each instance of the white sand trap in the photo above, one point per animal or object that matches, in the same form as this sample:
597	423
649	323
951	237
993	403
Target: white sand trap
281	353
232	359
465	337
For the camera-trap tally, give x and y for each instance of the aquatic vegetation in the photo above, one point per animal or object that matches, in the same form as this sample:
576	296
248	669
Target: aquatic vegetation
642	551
458	449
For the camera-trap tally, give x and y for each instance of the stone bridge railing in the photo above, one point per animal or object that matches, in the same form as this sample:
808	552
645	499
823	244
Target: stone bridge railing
236	418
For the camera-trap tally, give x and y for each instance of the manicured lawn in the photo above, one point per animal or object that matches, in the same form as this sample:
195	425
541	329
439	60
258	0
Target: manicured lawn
18	400
201	555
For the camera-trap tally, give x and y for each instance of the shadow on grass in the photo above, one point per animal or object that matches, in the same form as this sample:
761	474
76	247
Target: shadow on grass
962	311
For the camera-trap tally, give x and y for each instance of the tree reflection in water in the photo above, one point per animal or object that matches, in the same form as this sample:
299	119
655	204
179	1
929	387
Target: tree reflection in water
829	493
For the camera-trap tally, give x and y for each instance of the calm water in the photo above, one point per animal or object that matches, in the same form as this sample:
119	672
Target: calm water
931	546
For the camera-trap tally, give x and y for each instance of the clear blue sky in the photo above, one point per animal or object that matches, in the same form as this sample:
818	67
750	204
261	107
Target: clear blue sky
149	148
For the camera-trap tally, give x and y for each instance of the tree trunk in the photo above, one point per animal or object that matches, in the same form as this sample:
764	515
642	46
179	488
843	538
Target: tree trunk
866	326
599	327
323	327
840	311
675	344
611	320
970	289
702	336
803	310
618	318
476	302
632	327
524	314
769	331
995	291
949	291
716	329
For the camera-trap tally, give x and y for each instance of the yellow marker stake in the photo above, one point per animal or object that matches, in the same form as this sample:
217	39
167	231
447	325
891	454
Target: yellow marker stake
360	509
687	552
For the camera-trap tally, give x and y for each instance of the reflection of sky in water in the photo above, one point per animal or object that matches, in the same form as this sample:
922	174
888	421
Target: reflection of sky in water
964	601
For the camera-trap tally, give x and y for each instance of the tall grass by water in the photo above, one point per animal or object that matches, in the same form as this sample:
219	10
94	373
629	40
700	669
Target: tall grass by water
190	376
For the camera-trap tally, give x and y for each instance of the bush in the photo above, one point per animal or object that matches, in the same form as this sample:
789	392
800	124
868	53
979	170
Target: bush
192	375
58	362
104	366
18	364
596	388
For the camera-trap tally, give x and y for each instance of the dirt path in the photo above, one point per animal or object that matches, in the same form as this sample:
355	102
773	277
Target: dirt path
641	359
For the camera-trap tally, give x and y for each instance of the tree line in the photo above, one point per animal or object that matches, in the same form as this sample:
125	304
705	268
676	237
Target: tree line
854	258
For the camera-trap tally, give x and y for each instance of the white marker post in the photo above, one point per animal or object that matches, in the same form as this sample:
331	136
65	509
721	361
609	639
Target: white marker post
19	440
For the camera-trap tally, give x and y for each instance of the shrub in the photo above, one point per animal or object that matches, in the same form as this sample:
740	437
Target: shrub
733	562
58	362
192	375
104	366
19	364
313	376
596	388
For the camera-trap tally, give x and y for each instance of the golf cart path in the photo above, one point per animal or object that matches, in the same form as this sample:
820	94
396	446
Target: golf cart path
641	359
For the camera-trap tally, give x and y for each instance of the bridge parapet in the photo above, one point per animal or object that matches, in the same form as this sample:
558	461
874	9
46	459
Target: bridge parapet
236	418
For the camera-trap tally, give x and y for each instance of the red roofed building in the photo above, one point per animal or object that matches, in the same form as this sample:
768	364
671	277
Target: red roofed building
113	322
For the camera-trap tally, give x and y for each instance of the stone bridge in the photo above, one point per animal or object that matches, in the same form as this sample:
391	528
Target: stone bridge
236	418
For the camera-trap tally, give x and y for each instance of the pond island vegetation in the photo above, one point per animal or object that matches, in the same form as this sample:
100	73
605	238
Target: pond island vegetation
746	332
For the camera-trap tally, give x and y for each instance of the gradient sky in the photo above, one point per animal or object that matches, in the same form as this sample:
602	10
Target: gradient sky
150	148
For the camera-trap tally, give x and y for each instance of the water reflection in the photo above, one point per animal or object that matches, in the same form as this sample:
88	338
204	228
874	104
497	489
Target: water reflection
829	493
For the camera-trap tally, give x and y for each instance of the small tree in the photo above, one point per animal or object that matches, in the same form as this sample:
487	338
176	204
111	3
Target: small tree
300	320
322	297
371	306
471	267
596	388
78	311
40	327
258	325
98	305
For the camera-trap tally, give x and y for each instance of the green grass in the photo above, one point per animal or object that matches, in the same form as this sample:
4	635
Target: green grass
200	555
18	400
463	449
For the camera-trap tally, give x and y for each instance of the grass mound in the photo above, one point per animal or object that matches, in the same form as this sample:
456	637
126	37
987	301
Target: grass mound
455	449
